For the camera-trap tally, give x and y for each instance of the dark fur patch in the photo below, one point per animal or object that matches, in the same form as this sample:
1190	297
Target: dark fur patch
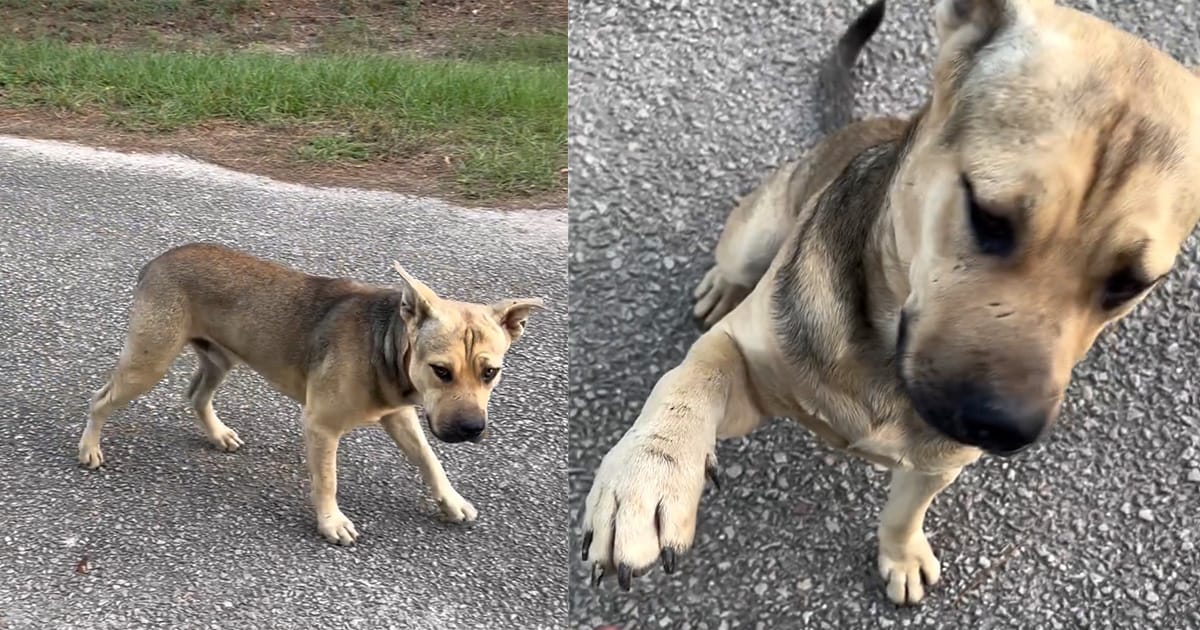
661	454
323	314
389	348
194	385
1123	142
214	363
835	236
1148	142
901	344
1097	186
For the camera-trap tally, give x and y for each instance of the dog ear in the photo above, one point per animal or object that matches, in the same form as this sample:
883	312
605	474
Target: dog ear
417	303
984	15
513	313
965	27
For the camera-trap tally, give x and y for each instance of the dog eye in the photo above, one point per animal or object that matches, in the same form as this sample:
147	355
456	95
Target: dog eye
995	235
489	374
1121	287
441	373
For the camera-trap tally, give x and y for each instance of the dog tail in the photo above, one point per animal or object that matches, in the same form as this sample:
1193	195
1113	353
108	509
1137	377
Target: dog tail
835	90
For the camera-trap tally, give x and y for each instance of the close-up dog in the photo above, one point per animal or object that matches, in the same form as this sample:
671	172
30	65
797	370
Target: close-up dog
350	353
916	291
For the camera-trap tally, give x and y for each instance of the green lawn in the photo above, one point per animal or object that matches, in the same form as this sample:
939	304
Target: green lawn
499	112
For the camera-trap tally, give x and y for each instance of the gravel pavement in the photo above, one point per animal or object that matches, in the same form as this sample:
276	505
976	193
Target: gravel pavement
178	535
677	109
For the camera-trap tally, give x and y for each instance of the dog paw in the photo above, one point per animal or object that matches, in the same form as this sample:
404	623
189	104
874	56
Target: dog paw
456	509
226	439
907	566
90	455
643	504
715	297
337	529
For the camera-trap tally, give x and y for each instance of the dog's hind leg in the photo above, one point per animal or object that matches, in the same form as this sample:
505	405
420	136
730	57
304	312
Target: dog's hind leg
404	427
156	337
753	234
906	561
214	365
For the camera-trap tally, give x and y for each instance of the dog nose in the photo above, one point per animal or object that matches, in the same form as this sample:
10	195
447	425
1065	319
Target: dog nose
978	416
466	428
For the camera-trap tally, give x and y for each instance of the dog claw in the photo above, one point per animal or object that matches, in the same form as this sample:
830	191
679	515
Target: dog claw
338	529
625	577
668	560
597	574
91	457
710	471
587	543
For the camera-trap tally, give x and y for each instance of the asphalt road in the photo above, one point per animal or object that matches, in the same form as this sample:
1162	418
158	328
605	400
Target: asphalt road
179	535
677	109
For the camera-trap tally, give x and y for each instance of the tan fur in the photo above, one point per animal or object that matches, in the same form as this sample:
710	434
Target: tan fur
351	354
1082	136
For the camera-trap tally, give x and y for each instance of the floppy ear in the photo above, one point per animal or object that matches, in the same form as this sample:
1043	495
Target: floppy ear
513	313
418	300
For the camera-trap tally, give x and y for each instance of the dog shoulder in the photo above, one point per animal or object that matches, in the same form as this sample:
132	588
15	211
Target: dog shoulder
834	153
818	293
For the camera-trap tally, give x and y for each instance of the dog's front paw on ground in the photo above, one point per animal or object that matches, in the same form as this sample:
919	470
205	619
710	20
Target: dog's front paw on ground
337	529
456	509
716	297
90	455
642	506
908	566
226	439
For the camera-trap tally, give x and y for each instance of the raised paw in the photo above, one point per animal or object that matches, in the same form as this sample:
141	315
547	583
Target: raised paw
642	506
225	439
337	529
908	566
456	509
715	298
90	455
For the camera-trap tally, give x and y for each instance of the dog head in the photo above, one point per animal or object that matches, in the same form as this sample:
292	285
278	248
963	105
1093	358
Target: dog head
457	355
1048	186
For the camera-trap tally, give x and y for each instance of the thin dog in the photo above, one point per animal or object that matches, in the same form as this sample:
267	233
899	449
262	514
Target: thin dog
352	354
936	280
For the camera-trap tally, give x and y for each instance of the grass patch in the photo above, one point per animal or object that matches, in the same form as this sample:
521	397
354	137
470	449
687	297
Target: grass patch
334	149
502	123
547	48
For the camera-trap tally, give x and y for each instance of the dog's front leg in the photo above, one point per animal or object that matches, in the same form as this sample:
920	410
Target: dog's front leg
321	444
643	502
405	428
905	556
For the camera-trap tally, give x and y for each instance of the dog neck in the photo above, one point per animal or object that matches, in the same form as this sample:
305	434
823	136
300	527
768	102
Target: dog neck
888	286
391	351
